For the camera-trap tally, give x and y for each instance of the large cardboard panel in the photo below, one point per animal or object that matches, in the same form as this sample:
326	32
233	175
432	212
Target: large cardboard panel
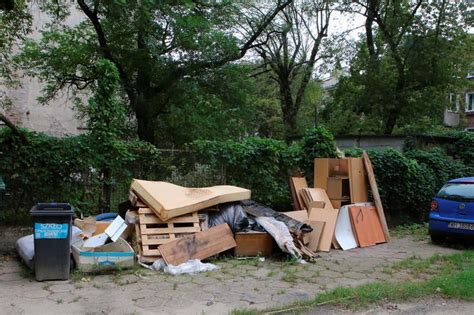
168	200
329	217
362	224
198	246
357	181
375	193
315	235
301	215
254	244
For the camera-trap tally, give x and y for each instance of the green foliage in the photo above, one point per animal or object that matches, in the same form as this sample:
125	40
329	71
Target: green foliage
463	149
259	164
263	165
316	142
49	169
405	186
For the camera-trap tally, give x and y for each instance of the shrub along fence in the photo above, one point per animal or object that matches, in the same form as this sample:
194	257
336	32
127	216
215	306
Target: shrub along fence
69	169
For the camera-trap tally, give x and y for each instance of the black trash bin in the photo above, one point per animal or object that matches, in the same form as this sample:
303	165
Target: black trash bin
52	233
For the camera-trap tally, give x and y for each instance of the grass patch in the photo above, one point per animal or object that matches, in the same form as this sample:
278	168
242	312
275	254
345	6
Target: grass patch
454	279
418	231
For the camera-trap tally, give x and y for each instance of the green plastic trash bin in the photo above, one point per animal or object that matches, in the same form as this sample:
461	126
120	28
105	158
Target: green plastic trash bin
52	237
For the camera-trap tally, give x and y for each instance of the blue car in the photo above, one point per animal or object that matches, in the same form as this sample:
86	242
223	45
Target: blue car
452	210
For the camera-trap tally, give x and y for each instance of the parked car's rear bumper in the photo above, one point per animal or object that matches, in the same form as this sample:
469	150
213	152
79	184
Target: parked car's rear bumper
439	225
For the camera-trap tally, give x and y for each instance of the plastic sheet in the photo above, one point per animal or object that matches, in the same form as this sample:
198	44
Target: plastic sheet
233	214
279	231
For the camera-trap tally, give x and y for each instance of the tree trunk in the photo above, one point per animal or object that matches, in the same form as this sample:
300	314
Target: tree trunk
287	106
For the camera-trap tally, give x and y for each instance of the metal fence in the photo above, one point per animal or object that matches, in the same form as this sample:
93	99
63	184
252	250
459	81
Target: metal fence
176	166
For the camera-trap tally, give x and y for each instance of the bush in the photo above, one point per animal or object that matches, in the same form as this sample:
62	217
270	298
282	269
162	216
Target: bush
46	169
263	165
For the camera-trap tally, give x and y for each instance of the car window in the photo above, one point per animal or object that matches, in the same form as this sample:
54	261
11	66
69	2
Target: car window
457	191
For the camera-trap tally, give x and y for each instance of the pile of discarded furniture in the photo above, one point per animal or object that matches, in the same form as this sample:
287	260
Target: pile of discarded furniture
173	225
338	206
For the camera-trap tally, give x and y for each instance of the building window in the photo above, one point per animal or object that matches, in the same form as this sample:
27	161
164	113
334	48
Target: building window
470	102
453	102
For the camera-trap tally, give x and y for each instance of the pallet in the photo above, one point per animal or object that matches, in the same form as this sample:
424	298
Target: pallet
155	232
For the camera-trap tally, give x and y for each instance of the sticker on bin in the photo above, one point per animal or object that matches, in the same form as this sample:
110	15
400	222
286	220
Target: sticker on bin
51	230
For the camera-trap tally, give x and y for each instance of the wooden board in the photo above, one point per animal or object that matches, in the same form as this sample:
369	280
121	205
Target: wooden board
168	200
315	235
329	216
301	215
321	173
362	224
375	194
376	225
357	180
299	183
254	244
294	196
198	246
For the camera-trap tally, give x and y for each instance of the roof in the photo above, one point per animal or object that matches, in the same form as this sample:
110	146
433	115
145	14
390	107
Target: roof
462	180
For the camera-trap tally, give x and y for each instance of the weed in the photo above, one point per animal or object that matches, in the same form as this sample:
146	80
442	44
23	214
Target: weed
60	301
418	231
271	273
175	286
289	275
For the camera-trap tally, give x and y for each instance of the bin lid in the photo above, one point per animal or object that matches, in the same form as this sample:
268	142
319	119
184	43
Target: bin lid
51	209
2	184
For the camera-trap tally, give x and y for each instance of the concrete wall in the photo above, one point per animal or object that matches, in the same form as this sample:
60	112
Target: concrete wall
58	118
370	142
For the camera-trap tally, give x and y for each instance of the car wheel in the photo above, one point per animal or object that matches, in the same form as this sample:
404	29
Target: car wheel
437	238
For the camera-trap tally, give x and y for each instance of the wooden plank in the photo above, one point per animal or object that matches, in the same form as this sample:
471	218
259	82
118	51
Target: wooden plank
299	183
315	235
362	226
375	194
329	216
168	200
376	225
198	246
357	181
321	173
253	244
294	196
169	230
151	218
318	194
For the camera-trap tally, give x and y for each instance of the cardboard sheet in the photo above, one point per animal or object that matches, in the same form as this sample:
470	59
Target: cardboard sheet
329	216
168	200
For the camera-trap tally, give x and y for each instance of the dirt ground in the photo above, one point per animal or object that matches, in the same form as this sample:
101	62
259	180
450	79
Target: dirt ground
237	285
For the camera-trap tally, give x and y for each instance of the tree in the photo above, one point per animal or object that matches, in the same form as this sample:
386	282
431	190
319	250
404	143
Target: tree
15	23
153	44
412	54
290	51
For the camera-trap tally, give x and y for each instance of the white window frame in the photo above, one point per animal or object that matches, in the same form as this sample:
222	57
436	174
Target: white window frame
467	102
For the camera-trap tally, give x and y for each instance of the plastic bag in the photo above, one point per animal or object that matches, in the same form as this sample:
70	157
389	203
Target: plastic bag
191	266
25	246
279	231
233	214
